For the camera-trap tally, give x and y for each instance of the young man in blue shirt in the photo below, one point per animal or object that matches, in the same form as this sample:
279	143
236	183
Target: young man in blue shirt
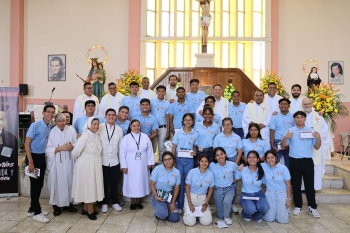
235	111
279	124
90	106
35	145
132	101
122	119
159	108
301	146
195	96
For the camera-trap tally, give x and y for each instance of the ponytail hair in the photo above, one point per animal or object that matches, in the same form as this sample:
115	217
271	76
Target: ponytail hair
260	169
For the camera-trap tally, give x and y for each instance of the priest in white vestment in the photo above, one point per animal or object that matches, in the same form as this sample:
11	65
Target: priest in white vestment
60	165
296	102
145	92
171	89
110	100
271	99
315	121
221	104
79	104
136	159
257	112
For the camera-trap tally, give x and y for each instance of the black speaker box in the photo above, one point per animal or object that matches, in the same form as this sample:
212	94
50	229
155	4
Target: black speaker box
23	89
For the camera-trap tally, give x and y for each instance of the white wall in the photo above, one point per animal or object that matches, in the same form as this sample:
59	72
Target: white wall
5	42
313	29
71	27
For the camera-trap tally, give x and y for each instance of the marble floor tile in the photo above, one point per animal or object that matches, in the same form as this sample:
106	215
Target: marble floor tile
5	226
55	228
141	229
119	219
84	228
107	228
27	227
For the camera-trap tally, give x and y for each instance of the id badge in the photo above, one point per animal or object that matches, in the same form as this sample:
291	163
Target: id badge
138	155
6	151
109	148
279	146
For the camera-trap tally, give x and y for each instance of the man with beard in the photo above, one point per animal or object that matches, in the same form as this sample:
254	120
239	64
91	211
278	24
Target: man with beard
296	100
171	89
257	112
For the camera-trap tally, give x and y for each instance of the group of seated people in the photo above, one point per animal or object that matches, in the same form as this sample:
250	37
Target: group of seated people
90	161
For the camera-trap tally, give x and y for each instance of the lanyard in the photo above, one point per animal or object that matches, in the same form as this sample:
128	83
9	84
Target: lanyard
109	138
137	143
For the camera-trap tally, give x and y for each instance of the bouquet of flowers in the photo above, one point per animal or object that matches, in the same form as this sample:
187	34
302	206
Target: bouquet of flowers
326	101
228	92
271	77
129	76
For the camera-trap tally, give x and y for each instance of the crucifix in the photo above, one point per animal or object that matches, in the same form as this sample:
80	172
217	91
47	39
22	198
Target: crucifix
205	22
317	119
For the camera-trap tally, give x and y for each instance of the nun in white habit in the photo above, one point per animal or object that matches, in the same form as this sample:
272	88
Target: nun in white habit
88	176
60	164
136	159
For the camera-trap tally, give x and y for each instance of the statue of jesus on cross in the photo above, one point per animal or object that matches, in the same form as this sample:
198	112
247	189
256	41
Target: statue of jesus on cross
205	22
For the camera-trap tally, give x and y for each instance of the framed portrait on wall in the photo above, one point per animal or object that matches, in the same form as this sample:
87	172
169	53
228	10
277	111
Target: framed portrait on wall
336	72
57	67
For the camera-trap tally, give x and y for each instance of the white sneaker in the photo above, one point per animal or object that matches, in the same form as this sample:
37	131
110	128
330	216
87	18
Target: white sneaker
296	211
314	213
260	220
31	214
180	211
104	208
234	209
247	219
117	207
40	218
228	221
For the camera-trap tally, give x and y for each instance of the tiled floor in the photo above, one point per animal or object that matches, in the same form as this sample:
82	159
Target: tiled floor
334	218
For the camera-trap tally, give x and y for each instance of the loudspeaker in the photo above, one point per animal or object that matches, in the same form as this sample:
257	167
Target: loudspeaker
23	89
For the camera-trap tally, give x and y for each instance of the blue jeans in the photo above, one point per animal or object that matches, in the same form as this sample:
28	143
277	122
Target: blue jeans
184	165
233	159
239	132
284	153
223	200
255	209
161	211
208	151
277	202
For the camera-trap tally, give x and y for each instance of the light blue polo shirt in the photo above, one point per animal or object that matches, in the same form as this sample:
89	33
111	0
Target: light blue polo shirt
185	141
124	125
80	122
300	148
275	178
250	184
39	133
159	109
133	103
281	123
260	146
196	99
230	144
178	111
206	135
216	119
165	180
223	175
200	182
236	114
148	123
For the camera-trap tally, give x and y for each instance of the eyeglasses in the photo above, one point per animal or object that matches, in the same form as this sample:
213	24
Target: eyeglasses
168	160
50	112
188	120
89	88
225	125
112	88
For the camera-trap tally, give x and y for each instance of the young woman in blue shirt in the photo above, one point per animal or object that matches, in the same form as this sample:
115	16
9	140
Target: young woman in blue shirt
254	141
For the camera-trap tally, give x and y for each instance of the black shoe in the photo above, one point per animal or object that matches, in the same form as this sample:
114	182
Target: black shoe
121	203
56	210
133	206
139	206
72	209
92	216
83	212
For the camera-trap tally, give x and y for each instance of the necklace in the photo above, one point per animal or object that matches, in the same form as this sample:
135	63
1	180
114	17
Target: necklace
252	174
201	181
273	172
168	176
223	172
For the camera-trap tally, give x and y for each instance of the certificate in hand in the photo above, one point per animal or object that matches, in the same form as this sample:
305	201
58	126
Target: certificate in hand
184	154
197	211
306	134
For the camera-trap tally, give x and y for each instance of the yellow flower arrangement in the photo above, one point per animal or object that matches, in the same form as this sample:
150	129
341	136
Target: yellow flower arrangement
129	76
328	103
271	77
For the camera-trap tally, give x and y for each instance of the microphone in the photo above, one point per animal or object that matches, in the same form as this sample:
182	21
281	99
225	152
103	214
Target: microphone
46	103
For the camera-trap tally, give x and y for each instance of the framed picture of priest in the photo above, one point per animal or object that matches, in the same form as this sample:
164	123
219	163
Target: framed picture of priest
57	67
336	72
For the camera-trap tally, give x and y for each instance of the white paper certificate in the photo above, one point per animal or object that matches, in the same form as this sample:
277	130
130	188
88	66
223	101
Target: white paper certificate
306	134
197	211
184	154
251	198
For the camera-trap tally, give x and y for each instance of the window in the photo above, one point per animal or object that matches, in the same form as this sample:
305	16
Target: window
173	35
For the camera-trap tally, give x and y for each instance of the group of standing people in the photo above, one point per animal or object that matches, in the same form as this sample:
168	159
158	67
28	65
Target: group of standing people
215	143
